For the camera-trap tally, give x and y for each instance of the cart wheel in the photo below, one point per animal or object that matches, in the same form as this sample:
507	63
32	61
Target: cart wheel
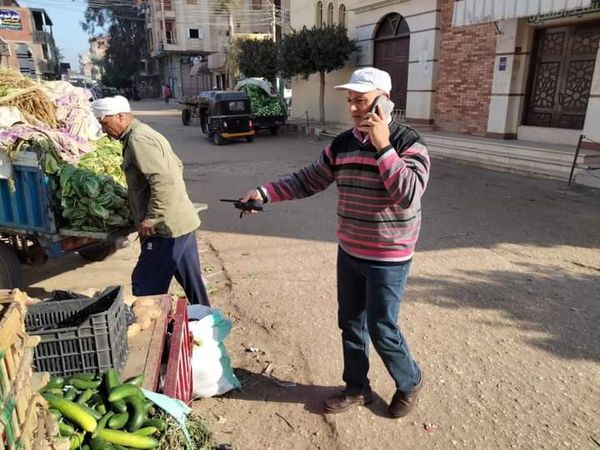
99	253
10	268
274	131
249	138
185	116
217	139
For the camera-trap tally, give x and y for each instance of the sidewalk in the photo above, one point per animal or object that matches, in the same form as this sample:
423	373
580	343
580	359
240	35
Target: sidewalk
516	156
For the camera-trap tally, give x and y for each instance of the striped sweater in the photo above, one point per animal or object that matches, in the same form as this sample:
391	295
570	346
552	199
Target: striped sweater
379	203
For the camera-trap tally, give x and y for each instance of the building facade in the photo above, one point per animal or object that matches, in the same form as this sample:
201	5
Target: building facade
502	69
26	41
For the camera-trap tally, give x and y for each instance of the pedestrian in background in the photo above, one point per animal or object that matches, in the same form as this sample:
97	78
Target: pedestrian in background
166	92
381	169
165	217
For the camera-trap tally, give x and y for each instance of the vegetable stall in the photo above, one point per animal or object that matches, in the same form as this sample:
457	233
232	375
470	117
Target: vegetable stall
62	189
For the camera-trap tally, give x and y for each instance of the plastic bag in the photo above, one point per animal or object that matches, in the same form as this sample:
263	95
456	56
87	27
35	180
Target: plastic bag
212	373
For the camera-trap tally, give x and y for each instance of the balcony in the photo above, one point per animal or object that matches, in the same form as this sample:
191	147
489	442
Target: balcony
42	37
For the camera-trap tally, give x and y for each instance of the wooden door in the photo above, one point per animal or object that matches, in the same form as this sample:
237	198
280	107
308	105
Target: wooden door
563	68
391	55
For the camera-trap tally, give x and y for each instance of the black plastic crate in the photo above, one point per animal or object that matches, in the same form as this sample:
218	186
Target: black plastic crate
80	335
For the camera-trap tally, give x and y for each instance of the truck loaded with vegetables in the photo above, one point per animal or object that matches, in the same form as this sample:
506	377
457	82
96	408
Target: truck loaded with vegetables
61	175
100	412
268	108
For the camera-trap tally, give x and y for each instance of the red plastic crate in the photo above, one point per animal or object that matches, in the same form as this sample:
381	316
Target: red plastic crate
178	377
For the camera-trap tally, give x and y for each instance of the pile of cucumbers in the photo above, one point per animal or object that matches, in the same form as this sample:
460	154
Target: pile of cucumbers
101	413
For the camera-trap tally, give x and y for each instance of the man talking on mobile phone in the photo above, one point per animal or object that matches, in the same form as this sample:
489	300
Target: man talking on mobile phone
381	169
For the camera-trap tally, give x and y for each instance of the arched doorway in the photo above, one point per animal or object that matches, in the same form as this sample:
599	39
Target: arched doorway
392	45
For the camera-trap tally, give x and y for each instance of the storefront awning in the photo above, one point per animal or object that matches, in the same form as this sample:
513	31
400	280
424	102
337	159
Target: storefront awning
473	12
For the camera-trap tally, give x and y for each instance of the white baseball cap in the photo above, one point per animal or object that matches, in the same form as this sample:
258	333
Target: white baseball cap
109	106
368	79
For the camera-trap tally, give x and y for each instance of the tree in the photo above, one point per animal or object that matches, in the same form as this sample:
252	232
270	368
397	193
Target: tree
316	50
258	58
127	39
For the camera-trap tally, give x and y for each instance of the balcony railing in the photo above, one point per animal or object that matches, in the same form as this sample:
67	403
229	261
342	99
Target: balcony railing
42	37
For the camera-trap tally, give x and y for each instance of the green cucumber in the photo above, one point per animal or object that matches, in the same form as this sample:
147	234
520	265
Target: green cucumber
119	406
102	422
111	379
125	390
101	408
83	384
72	411
160	424
136	381
128	439
97	443
146	431
76	440
65	429
54	391
92	412
85	396
118	421
70	393
138	415
55	382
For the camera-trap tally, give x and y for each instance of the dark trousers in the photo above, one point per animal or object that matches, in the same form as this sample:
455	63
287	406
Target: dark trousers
369	296
164	257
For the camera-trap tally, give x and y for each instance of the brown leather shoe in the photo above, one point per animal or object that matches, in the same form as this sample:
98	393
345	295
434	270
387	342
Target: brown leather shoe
403	402
341	402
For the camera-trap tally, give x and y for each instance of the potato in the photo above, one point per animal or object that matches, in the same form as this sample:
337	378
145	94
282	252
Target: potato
154	313
145	302
144	322
133	330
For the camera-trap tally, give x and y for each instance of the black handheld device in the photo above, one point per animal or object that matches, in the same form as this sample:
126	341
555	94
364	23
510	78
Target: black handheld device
252	205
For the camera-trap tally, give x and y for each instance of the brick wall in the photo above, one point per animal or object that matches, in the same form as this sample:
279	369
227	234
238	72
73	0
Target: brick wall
466	64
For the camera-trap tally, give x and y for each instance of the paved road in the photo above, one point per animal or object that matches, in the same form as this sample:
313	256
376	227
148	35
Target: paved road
502	308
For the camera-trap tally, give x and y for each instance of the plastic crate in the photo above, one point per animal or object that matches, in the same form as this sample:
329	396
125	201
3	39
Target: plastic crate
178	378
80	335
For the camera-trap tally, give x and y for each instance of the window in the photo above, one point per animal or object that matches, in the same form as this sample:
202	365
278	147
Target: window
330	14
194	33
319	14
169	32
237	106
256	4
46	51
342	16
167	5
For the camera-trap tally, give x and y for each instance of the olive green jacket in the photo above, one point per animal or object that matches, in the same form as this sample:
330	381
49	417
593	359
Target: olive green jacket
155	182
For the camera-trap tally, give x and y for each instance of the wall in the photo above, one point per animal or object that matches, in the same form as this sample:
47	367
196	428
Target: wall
17	36
464	85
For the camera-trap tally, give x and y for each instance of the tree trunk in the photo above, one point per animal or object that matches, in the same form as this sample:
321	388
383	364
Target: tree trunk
322	98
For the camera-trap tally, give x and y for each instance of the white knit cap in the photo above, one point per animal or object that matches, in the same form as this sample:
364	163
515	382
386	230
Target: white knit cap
110	106
368	79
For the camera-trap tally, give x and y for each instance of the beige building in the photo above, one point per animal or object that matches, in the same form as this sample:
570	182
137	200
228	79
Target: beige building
495	68
189	40
400	36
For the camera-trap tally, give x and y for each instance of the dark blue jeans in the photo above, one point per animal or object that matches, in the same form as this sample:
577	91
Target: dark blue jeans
369	296
164	257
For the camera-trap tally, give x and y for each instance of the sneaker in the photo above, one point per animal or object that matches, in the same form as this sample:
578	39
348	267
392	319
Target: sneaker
403	402
341	402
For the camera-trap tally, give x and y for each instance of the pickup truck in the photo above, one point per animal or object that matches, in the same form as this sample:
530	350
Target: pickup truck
269	111
29	229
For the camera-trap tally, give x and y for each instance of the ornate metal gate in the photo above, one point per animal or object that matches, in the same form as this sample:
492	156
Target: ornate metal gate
562	76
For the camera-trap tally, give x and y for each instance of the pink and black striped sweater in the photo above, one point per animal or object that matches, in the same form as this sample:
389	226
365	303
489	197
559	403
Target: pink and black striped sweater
379	203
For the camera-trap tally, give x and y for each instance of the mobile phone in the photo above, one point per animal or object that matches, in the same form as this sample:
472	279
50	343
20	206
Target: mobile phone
386	104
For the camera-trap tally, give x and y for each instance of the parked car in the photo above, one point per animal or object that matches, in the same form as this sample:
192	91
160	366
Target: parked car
223	115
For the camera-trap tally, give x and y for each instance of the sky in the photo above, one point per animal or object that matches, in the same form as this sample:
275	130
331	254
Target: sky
66	16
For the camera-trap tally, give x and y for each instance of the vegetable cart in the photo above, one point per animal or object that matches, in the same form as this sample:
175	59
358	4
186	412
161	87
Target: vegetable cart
29	229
